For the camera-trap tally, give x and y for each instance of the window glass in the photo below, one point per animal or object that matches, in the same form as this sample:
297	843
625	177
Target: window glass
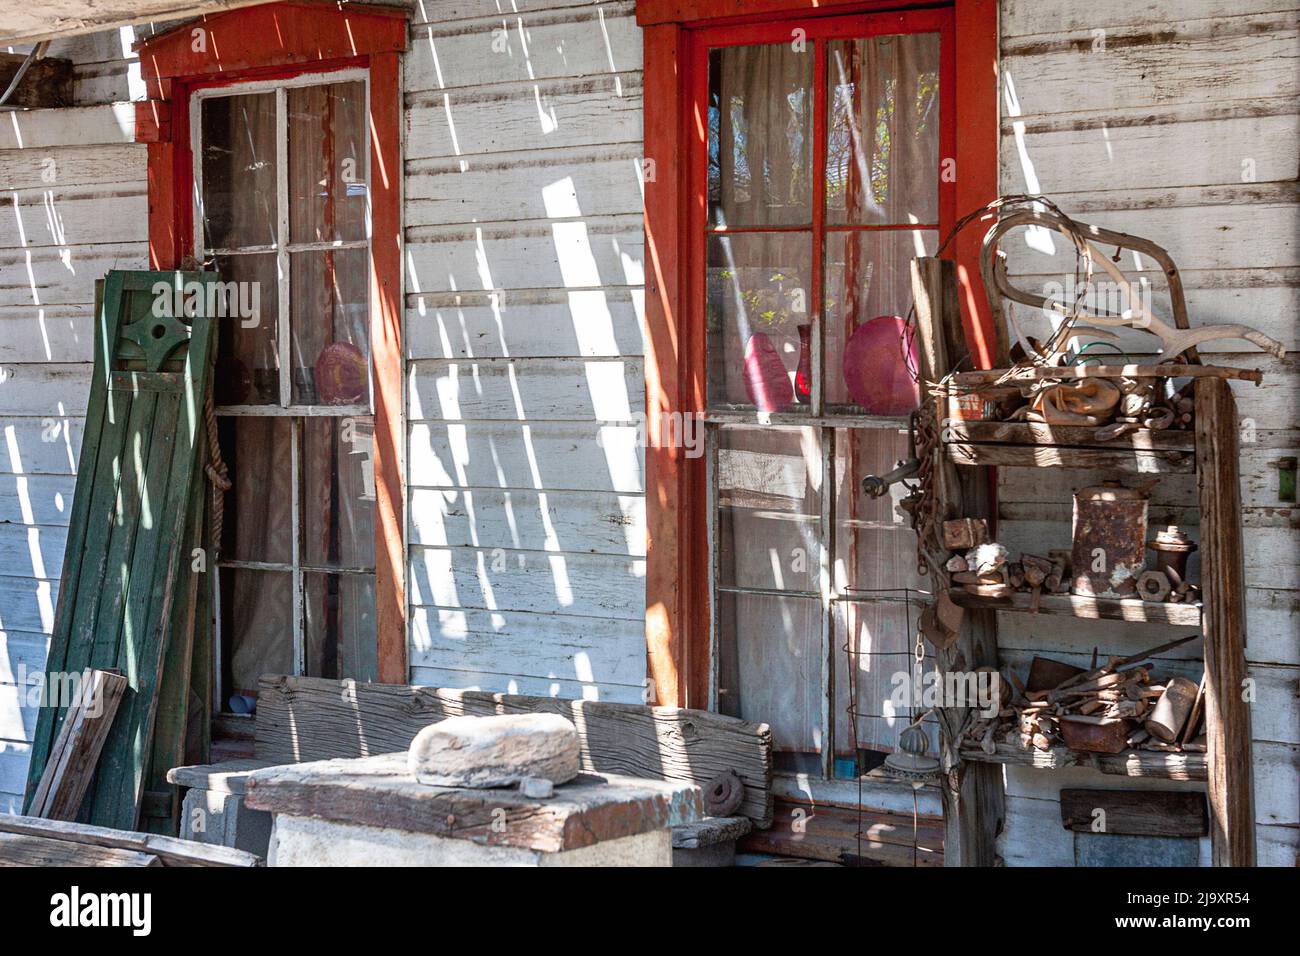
239	171
759	322
882	151
327	162
760	118
329	325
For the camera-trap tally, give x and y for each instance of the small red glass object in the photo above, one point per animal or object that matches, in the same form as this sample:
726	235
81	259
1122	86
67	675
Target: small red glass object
803	373
766	380
875	373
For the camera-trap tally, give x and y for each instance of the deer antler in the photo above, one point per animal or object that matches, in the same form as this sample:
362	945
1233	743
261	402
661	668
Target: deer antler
1176	341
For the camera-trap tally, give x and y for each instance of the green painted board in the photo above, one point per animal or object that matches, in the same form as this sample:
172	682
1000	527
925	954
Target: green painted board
140	459
174	693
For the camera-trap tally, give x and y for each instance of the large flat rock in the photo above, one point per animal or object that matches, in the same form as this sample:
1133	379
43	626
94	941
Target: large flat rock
495	751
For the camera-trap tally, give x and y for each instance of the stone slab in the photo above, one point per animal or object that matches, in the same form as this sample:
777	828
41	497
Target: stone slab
380	792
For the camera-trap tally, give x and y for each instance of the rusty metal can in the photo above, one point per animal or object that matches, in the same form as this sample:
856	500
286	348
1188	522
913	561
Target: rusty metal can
1110	532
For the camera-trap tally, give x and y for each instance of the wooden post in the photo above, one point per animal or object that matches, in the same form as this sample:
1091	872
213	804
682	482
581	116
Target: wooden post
973	804
1227	716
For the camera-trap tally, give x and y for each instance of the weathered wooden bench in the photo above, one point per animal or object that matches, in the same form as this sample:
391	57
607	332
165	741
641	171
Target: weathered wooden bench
301	719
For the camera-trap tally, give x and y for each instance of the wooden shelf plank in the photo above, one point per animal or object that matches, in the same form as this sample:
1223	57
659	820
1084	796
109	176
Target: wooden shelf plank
1067	436
1072	605
1135	461
1046	373
1130	763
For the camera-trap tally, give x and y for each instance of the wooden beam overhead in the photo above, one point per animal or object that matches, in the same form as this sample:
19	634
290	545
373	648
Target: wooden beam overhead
24	22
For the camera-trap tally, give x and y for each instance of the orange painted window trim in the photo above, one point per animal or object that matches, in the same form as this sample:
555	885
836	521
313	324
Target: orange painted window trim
278	40
677	560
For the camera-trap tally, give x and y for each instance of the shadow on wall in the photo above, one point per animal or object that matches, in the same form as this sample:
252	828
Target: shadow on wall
525	385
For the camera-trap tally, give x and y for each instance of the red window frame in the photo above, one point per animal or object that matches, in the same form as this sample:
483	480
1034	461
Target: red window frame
675	42
277	41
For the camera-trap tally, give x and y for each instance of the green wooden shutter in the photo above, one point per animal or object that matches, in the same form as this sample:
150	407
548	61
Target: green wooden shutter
140	458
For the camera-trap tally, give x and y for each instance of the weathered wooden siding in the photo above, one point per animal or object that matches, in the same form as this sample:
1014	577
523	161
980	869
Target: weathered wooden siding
72	205
524	378
1176	121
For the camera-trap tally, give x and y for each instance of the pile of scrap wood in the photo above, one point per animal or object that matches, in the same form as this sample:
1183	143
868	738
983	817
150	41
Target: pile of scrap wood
31	841
1117	706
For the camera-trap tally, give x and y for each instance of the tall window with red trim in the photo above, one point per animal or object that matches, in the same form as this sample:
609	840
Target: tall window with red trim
281	189
822	174
274	158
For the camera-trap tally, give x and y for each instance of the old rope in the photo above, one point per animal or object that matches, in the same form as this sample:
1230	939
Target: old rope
218	473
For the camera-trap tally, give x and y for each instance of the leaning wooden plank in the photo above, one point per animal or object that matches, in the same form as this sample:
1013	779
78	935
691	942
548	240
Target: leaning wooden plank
169	850
64	784
174	694
17	849
305	718
1227	715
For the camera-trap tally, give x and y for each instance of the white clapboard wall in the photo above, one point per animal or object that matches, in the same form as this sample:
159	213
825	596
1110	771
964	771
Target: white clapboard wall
72	206
524	378
1175	120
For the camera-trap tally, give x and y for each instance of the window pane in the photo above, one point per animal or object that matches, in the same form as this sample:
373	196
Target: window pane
878	639
256	522
769	668
868	295
875	546
329	325
338	493
327	162
759	327
760	135
339	626
238	166
256	626
769	508
882	161
248	358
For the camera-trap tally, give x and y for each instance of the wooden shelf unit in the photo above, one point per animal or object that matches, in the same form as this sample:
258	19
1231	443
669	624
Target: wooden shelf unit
1208	449
1153	764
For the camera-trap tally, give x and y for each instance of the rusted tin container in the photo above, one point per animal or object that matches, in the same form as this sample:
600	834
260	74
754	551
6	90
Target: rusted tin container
1097	737
1110	536
1172	710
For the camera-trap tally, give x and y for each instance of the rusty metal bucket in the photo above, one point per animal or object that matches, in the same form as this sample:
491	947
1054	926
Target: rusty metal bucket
1110	531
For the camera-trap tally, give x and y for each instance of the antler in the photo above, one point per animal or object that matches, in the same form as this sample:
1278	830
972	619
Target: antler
1176	339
